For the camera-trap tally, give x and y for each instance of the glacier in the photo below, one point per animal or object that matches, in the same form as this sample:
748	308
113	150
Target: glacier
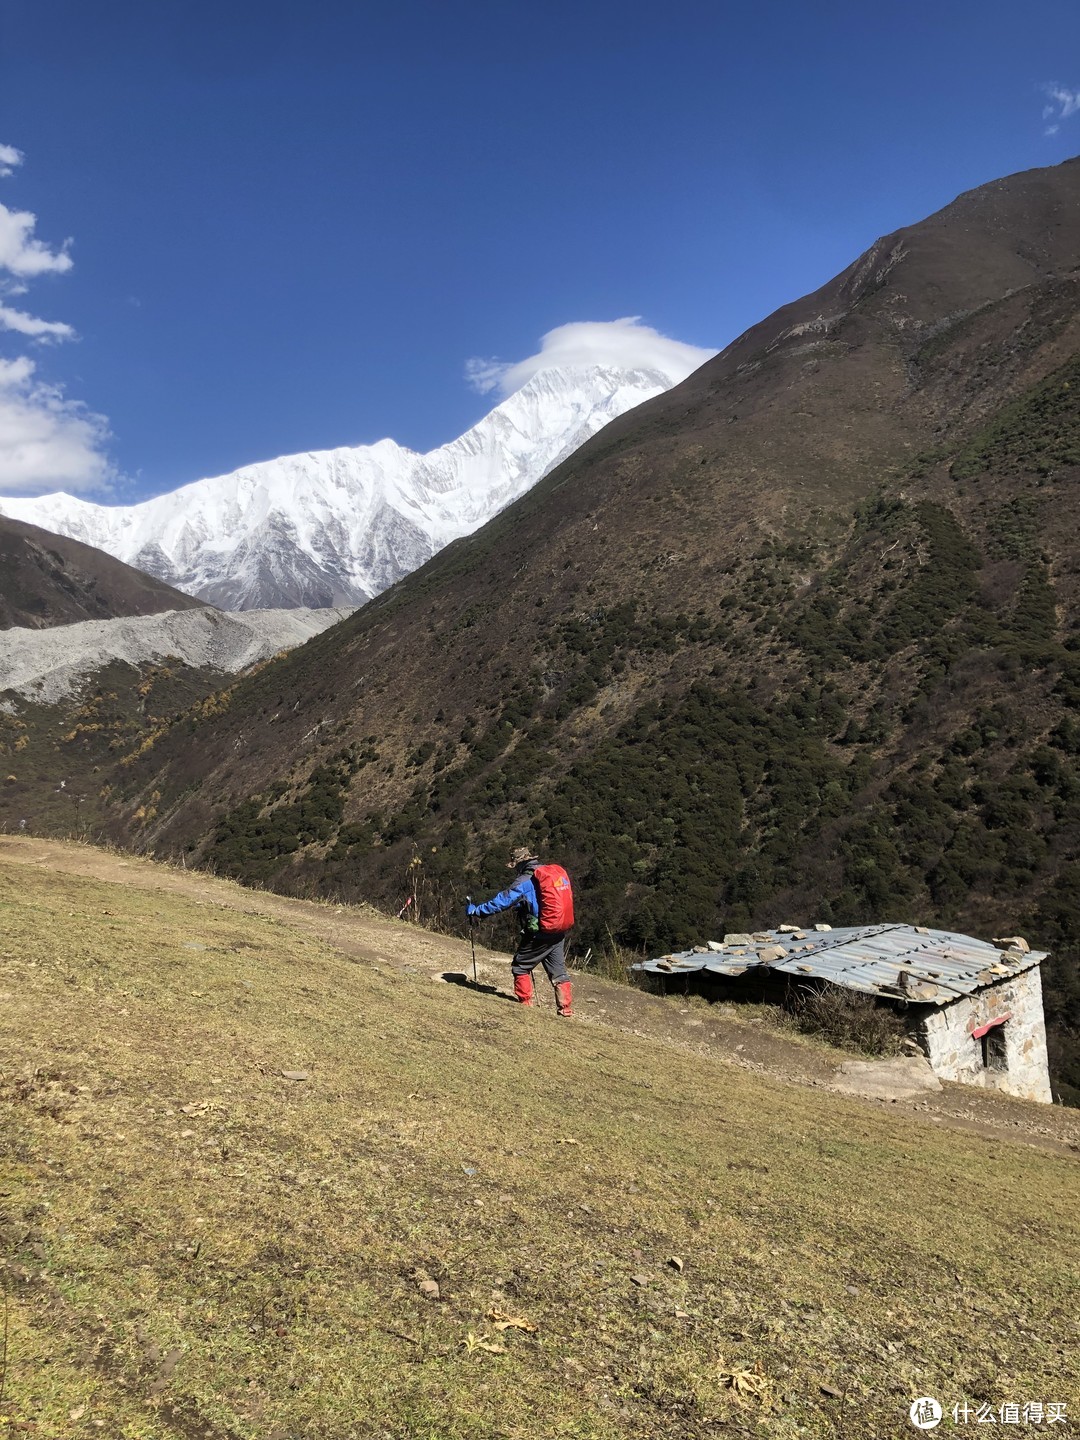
337	527
46	666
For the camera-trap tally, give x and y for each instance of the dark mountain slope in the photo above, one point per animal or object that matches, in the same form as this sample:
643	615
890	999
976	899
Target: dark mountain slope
794	640
47	579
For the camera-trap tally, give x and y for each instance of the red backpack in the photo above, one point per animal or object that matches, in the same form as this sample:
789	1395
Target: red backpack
554	896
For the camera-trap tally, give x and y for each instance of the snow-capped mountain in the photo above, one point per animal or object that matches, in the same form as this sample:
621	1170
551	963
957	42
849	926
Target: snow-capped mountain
336	527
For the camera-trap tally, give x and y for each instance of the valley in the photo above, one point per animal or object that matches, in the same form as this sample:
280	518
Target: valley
795	640
539	722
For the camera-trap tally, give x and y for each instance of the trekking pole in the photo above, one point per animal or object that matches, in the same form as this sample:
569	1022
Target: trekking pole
472	942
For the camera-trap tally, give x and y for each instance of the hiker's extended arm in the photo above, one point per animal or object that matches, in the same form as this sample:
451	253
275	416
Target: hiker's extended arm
505	900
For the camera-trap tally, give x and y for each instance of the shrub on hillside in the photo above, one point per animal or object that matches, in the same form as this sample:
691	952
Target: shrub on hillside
848	1019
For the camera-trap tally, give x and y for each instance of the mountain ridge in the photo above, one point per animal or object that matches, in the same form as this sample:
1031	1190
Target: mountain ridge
48	579
336	527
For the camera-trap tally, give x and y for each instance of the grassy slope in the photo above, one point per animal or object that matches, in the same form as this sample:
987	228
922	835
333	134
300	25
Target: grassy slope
195	1245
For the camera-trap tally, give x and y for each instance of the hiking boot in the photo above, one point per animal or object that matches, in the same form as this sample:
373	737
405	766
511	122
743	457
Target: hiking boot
523	989
563	998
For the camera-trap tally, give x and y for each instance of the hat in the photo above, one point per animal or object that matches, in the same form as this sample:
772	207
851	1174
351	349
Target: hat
520	856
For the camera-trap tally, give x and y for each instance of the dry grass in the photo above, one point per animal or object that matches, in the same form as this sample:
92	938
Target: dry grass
848	1020
195	1245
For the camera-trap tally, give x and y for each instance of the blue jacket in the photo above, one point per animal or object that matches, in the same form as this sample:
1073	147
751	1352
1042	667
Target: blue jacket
521	893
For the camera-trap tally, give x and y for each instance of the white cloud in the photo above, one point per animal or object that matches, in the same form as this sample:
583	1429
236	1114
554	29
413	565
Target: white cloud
21	254
47	442
9	158
1063	105
24	324
625	344
22	257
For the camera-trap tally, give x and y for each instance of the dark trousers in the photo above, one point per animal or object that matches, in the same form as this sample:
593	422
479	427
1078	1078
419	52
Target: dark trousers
544	948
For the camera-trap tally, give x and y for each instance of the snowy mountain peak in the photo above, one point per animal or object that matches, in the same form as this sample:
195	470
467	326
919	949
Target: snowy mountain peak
336	527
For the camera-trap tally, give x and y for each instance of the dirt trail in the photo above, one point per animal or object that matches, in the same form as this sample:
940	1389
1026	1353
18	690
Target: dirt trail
364	935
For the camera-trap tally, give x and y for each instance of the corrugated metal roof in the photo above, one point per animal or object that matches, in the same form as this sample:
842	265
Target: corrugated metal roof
899	961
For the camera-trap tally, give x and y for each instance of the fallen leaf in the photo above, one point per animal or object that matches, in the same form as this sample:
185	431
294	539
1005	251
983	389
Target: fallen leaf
77	1413
430	1288
472	1343
511	1322
750	1384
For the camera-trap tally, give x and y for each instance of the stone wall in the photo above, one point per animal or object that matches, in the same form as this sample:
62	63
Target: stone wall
1020	1045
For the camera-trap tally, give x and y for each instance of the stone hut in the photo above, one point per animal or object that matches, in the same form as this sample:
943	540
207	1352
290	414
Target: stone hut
974	1007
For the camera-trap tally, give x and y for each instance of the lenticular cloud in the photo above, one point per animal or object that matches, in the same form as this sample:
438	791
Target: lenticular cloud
624	344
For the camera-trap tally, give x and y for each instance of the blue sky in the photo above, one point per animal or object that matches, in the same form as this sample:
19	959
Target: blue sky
292	225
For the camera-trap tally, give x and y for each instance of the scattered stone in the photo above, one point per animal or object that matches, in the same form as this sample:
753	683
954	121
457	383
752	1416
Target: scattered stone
295	1075
738	939
716	945
675	1263
430	1288
1014	942
832	1392
771	953
823	929
788	929
639	1279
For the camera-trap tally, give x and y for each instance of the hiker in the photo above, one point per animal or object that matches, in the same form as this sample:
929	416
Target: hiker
542	897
